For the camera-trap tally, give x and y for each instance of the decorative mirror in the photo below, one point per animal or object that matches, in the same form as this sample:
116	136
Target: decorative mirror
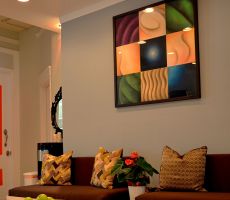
56	112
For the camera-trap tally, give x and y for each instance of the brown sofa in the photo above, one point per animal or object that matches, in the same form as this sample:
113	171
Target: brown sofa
81	188
217	183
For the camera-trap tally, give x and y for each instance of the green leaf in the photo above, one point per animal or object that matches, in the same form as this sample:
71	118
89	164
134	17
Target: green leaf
118	167
125	170
130	176
146	166
121	178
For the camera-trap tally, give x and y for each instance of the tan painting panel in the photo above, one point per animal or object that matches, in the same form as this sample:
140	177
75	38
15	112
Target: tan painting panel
152	25
154	84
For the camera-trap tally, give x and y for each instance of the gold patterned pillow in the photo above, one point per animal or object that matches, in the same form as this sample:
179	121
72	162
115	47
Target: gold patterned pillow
183	172
103	164
56	170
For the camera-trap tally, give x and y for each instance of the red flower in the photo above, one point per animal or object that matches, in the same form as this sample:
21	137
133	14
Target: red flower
129	162
134	155
138	183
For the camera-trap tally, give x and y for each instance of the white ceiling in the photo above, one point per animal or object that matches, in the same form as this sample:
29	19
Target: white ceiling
48	13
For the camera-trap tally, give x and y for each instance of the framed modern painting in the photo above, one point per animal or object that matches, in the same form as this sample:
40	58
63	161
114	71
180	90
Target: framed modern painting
156	54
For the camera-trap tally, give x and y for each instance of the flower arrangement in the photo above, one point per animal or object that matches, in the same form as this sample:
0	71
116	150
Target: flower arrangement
134	170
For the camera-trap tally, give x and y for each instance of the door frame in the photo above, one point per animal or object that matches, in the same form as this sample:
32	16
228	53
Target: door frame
16	141
45	107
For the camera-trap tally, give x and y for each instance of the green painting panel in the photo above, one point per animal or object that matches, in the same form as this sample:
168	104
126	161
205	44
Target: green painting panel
128	88
179	15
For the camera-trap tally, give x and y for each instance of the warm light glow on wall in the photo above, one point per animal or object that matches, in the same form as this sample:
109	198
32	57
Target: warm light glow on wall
24	1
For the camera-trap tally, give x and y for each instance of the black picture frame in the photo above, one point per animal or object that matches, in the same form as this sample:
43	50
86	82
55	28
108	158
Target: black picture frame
181	79
57	99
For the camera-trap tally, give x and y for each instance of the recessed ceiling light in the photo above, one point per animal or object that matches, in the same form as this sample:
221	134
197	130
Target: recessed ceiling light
171	53
148	10
24	1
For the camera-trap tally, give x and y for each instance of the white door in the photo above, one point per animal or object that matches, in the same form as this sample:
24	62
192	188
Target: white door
6	123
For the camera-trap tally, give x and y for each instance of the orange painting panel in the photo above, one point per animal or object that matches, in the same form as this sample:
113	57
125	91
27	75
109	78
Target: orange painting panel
0	120
181	48
1	177
152	25
128	59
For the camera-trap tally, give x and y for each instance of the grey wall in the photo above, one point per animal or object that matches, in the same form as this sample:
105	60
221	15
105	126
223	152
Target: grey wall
35	56
90	118
56	68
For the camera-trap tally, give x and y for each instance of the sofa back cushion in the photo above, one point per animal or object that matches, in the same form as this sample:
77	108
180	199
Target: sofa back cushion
217	175
82	168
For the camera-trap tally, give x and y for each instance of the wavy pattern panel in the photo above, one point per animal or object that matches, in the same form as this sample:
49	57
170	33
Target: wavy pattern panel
181	48
152	24
154	85
127	30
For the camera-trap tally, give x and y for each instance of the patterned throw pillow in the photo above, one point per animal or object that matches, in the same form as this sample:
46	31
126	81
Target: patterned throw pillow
56	170
103	164
183	172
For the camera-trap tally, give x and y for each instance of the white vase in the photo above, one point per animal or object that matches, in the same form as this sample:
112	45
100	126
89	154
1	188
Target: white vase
135	191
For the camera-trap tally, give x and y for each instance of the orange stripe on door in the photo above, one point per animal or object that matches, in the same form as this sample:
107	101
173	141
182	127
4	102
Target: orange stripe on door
0	120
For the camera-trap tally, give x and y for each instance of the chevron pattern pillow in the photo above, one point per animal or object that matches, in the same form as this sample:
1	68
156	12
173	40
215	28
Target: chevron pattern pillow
56	170
103	164
183	172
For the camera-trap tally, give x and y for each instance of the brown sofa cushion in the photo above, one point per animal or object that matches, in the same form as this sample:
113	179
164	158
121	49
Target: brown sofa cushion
184	196
71	192
81	170
183	172
217	177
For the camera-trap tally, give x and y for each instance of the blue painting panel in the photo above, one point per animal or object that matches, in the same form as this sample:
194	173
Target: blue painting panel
153	54
182	81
